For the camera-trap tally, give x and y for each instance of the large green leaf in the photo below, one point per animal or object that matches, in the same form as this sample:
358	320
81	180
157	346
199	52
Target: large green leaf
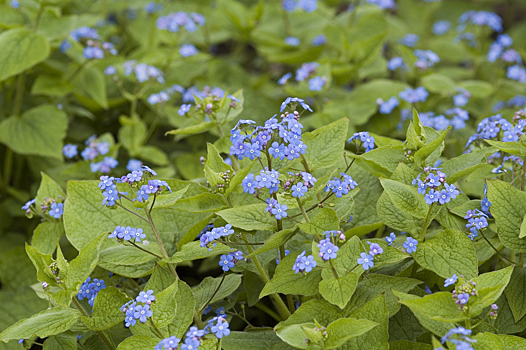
326	144
211	289
106	309
39	131
21	50
249	217
406	198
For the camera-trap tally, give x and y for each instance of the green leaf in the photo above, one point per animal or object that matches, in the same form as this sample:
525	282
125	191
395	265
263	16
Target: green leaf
228	113
319	310
48	189
339	291
10	17
287	282
185	310
324	220
425	152
249	217
22	49
487	341
164	306
51	85
339	331
407	345
463	165
517	148
378	337
81	267
512	343
194	129
490	287
48	322
508	208
438	306
381	161
132	133
406	198
326	144
194	251
514	292
46	236
477	88
39	131
274	241
450	252
138	342
91	82
106	309
202	203
254	340
169	199
297	334
64	341
41	263
439	84
205	290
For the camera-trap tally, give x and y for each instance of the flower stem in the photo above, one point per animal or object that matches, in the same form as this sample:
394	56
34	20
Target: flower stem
213	295
159	333
303	212
333	268
145	250
426	223
103	335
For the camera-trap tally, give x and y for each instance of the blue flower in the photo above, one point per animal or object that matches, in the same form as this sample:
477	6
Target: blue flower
452	190
195	332
441	27
294	99
249	184
306	70
185	108
292	152
292	41
142	194
289	5
328	251
226	262
279	211
252	151
237	255
190	344
431	197
129	320
317	83
390	239
463	298
419	94
299	190
29	204
277	150
15	4
410	245
57	209
426	59
220	329
388	106
443	196
142	312
516	72
395	63
188	50
279	255
410	40
383	4
319	40
308	5
168	343
452	280
375	249
366	260
134	176
283	80
145	297
70	150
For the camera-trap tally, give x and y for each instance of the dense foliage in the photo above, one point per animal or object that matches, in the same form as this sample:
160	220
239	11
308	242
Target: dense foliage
244	174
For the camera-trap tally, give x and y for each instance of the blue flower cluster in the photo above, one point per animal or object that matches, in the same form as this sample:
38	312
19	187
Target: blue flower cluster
306	5
366	140
441	27
439	190
266	179
307	71
477	221
95	48
497	50
128	233
138	309
419	94
143	72
328	248
216	233
277	209
518	101
94	148
480	18
304	263
341	186
174	21
285	134
383	4
460	338
228	261
425	59
367	259
490	128
89	290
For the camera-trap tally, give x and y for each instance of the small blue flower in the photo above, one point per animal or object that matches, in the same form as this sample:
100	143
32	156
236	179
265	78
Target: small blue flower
190	344
279	211
185	108
395	63
463	298
317	83
441	27
29	204
226	262
70	150
366	260
390	239
431	197
452	280
410	40
443	197
283	80
142	312
388	106
292	41
195	332
145	297
308	5
410	245
57	209
319	40
220	329
249	184
328	251
188	50
299	190
375	249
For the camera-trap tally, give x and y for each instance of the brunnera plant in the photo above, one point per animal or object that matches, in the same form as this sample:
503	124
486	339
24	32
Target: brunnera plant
282	217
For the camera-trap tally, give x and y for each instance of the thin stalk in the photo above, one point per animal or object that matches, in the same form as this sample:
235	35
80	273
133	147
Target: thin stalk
132	212
282	307
268	311
103	335
145	250
159	333
213	295
19	94
240	243
8	164
241	317
495	249
333	268
197	320
426	223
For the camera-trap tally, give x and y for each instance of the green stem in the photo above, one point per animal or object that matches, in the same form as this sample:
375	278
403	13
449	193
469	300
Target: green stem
268	311
333	268
213	295
197	320
426	223
8	164
145	250
303	212
103	335
495	249
19	94
159	333
523	177
285	313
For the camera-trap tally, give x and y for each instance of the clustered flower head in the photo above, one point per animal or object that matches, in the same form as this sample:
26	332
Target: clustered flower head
176	20
328	245
425	59
434	187
306	5
496	127
477	221
481	18
367	259
462	293
51	206
341	186
460	338
143	72
366	140
127	233
304	263
138	309
89	289
95	47
94	148
228	261
215	233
